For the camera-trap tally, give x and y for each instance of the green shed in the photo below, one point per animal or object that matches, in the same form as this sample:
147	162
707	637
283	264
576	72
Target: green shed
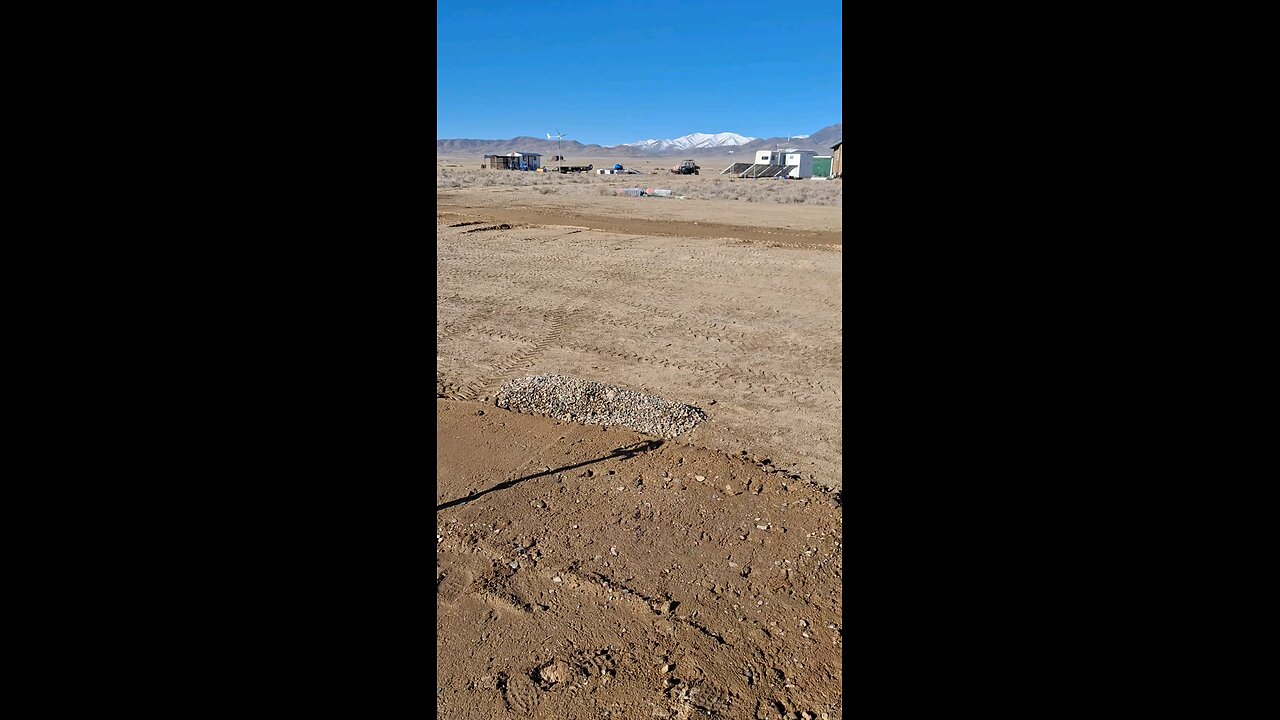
822	166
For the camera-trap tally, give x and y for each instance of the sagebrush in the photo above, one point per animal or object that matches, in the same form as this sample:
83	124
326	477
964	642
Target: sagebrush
707	186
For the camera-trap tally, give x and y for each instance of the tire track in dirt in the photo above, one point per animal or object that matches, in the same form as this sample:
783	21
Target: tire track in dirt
659	306
704	319
443	387
718	371
522	358
505	335
538	273
659	228
649	330
466	321
804	390
561	269
742	336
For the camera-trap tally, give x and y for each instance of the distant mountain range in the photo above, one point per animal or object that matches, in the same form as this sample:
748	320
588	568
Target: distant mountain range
696	140
719	145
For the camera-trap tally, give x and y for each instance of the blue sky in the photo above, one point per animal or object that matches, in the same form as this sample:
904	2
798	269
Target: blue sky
616	72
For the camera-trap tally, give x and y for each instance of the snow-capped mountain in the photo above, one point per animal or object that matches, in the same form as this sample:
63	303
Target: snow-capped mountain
692	141
733	144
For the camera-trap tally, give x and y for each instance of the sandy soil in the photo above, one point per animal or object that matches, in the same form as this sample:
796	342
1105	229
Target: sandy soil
598	573
738	315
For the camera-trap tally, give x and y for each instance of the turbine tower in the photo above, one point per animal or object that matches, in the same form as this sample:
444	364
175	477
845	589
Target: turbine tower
559	135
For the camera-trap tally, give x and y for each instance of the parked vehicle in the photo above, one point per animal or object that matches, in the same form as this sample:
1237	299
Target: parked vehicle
685	168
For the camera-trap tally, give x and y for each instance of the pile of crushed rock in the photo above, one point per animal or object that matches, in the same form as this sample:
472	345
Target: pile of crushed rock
583	401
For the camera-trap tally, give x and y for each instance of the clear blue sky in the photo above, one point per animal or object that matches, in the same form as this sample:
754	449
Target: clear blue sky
616	72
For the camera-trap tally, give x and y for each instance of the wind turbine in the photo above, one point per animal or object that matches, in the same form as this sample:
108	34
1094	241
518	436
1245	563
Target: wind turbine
559	135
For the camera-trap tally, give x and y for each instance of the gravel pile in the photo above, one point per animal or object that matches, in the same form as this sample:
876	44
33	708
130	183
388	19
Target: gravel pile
573	400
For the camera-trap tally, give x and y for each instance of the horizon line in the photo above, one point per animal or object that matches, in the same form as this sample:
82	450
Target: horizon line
750	138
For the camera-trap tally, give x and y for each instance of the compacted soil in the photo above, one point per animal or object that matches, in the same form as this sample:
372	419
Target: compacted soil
588	572
749	332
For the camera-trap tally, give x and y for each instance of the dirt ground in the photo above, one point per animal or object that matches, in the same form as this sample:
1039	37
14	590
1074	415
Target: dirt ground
670	220
622	292
631	555
584	572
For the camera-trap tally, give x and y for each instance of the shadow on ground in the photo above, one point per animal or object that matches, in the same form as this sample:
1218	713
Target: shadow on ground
624	452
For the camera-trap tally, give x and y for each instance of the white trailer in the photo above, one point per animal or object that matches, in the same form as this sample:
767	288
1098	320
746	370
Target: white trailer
801	161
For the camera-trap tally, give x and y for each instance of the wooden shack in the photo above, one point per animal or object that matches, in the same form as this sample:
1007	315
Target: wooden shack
837	168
